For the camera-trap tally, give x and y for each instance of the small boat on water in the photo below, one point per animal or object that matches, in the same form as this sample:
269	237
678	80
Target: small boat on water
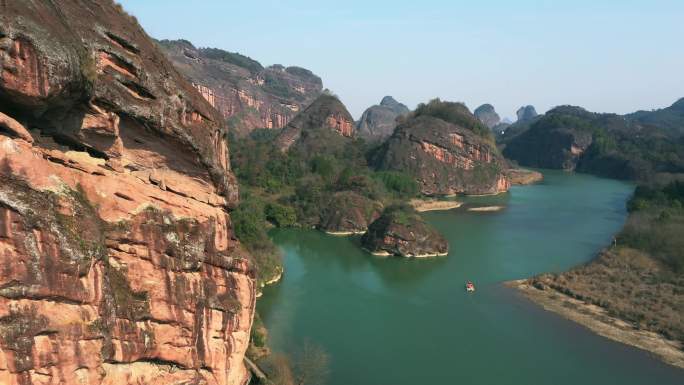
470	286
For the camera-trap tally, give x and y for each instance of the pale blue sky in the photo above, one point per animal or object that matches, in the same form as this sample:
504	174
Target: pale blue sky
607	56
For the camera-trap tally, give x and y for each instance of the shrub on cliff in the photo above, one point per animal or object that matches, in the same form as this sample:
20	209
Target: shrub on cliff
249	222
280	215
399	184
233	58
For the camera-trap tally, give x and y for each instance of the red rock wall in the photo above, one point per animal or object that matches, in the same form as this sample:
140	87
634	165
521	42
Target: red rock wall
462	159
114	277
339	123
118	263
237	101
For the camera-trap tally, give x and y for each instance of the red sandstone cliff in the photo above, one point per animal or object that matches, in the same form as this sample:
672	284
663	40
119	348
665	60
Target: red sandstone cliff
247	94
445	157
311	128
119	264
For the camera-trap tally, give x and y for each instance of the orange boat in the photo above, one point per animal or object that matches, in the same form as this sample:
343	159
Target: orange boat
470	286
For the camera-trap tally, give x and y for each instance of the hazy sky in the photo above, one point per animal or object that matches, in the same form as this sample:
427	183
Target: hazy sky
607	56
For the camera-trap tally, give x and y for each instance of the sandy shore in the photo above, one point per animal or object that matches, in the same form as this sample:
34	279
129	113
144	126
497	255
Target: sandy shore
433	205
383	253
344	233
522	176
486	208
599	321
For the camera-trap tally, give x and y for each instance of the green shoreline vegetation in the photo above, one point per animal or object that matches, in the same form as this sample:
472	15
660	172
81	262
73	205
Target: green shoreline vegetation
636	286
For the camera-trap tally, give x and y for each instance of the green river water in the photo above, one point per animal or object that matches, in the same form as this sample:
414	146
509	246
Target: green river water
399	321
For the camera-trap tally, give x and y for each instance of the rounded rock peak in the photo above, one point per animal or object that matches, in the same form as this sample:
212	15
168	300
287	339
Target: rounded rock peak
526	113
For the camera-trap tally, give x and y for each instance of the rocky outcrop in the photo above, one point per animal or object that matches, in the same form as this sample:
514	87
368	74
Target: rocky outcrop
349	213
248	95
378	121
402	232
633	146
521	176
557	140
526	113
119	264
487	115
324	116
444	157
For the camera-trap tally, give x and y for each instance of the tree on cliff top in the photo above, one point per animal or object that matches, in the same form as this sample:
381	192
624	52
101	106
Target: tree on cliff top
455	113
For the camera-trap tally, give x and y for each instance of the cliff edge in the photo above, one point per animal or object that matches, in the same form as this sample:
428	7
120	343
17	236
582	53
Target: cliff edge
119	264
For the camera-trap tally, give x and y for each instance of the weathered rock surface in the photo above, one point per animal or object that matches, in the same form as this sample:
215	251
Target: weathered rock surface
402	232
349	213
445	158
557	140
325	115
247	94
378	121
118	261
487	115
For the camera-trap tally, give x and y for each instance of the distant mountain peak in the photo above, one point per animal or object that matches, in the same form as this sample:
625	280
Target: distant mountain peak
487	115
379	121
678	105
526	113
392	103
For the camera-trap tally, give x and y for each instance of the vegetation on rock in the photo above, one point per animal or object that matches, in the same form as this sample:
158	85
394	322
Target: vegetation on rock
635	146
640	279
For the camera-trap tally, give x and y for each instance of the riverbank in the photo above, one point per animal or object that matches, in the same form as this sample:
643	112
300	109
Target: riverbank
598	320
422	205
522	176
486	208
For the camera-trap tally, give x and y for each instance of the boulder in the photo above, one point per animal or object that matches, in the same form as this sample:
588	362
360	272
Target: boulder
349	213
402	232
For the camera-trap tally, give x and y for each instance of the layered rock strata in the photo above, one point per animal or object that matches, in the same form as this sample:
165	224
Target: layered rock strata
119	264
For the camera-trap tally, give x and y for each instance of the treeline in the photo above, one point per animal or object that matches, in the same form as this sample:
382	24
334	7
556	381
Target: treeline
656	222
452	112
293	189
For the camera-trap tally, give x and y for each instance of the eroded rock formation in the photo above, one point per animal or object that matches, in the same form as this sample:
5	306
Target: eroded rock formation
243	91
402	232
349	213
119	264
445	158
378	122
325	115
487	115
556	140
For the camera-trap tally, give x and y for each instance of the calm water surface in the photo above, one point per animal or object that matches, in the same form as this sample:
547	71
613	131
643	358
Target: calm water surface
396	321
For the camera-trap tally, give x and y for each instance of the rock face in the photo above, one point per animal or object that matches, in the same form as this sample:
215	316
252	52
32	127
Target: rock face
349	212
403	233
487	115
378	121
324	116
445	158
118	261
247	94
557	140
633	146
526	113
